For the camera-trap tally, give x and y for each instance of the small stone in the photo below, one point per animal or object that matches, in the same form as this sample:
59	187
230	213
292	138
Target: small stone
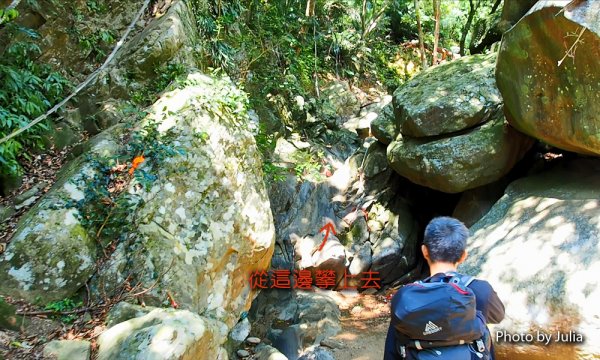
356	310
253	341
243	353
4	339
240	332
67	350
332	343
24	199
370	291
6	212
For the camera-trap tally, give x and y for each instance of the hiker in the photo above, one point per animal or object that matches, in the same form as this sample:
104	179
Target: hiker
445	315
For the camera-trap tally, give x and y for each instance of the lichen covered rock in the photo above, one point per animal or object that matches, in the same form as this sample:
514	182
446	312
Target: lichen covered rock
205	224
163	334
447	98
548	75
465	161
52	254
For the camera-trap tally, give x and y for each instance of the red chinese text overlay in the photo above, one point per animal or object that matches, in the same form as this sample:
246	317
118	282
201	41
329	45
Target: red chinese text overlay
304	279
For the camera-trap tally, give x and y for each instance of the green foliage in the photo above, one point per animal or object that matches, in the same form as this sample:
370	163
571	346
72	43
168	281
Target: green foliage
266	143
64	305
94	43
97	6
212	26
453	18
308	165
27	90
172	73
7	16
107	207
224	101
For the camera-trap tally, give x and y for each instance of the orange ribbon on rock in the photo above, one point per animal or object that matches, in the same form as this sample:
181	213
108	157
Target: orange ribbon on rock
135	163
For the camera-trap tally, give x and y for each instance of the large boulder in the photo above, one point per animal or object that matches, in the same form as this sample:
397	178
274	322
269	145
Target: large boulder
548	75
52	254
164	334
458	163
538	247
205	224
448	98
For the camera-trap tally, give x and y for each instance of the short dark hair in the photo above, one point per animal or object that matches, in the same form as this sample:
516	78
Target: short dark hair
446	239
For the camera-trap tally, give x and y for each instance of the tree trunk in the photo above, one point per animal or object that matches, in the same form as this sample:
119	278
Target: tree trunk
375	19
465	31
310	8
363	19
421	44
436	32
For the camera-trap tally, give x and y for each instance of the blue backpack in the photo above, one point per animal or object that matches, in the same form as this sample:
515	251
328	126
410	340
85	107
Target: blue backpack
438	319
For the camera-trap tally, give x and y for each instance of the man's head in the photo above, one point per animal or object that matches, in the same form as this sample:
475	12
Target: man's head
445	241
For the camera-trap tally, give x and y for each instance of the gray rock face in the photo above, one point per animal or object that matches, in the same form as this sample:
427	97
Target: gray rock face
461	162
168	39
395	245
448	98
376	161
124	311
475	203
240	332
317	353
172	35
384	127
164	334
538	247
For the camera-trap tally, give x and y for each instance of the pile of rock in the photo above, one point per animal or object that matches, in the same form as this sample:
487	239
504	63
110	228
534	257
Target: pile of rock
452	133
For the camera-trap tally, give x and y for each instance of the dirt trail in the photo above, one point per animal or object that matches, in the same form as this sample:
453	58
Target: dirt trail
365	320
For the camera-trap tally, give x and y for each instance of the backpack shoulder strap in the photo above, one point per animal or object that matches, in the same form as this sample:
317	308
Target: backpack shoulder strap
465	280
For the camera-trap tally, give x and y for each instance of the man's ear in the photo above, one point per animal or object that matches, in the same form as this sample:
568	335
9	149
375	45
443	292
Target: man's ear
463	257
425	252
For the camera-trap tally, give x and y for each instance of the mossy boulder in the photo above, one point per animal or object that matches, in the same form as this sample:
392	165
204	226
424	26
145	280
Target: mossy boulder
548	75
448	98
51	254
538	247
465	161
171	37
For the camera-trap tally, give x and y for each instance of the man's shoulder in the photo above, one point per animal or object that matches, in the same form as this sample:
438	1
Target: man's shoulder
481	288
